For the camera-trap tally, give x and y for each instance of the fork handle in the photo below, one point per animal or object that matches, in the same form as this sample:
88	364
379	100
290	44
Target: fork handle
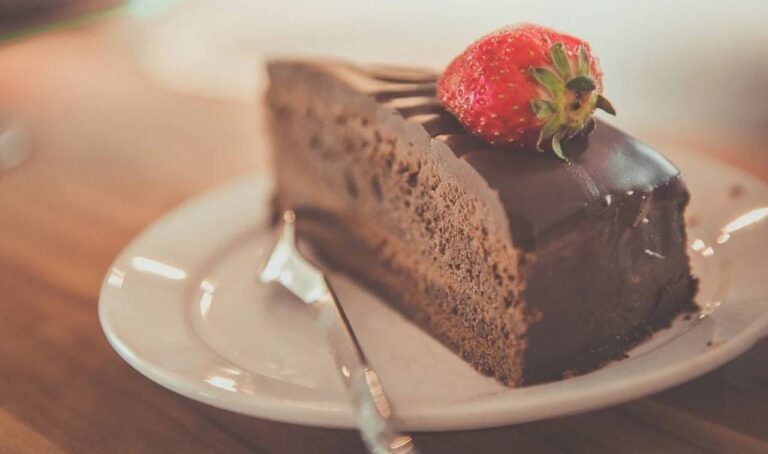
372	410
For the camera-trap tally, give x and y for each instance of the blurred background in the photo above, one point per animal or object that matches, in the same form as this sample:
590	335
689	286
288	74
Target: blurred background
153	76
114	111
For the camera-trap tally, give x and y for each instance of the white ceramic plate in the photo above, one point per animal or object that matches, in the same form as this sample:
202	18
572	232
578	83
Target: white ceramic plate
183	306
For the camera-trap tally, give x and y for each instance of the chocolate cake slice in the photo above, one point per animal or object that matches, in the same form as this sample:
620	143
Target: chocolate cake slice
529	267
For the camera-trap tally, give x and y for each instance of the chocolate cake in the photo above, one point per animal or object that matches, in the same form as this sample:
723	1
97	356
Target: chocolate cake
529	267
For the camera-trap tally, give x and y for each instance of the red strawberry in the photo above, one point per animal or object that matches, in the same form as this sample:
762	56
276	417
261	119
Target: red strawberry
524	86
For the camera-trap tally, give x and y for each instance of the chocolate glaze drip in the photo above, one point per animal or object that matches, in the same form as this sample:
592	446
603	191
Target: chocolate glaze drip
540	192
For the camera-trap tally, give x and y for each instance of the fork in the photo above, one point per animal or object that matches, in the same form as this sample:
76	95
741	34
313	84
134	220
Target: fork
373	413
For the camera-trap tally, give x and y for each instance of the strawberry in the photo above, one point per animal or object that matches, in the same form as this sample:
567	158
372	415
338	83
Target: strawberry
525	86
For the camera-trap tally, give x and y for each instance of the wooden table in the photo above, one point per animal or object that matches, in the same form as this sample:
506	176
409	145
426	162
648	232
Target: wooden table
112	151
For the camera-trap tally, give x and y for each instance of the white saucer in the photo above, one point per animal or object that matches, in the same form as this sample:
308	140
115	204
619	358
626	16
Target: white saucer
183	306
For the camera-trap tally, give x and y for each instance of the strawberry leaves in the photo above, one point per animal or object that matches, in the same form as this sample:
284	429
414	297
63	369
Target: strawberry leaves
549	80
548	132
581	83
583	61
605	105
542	108
568	109
557	148
560	59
